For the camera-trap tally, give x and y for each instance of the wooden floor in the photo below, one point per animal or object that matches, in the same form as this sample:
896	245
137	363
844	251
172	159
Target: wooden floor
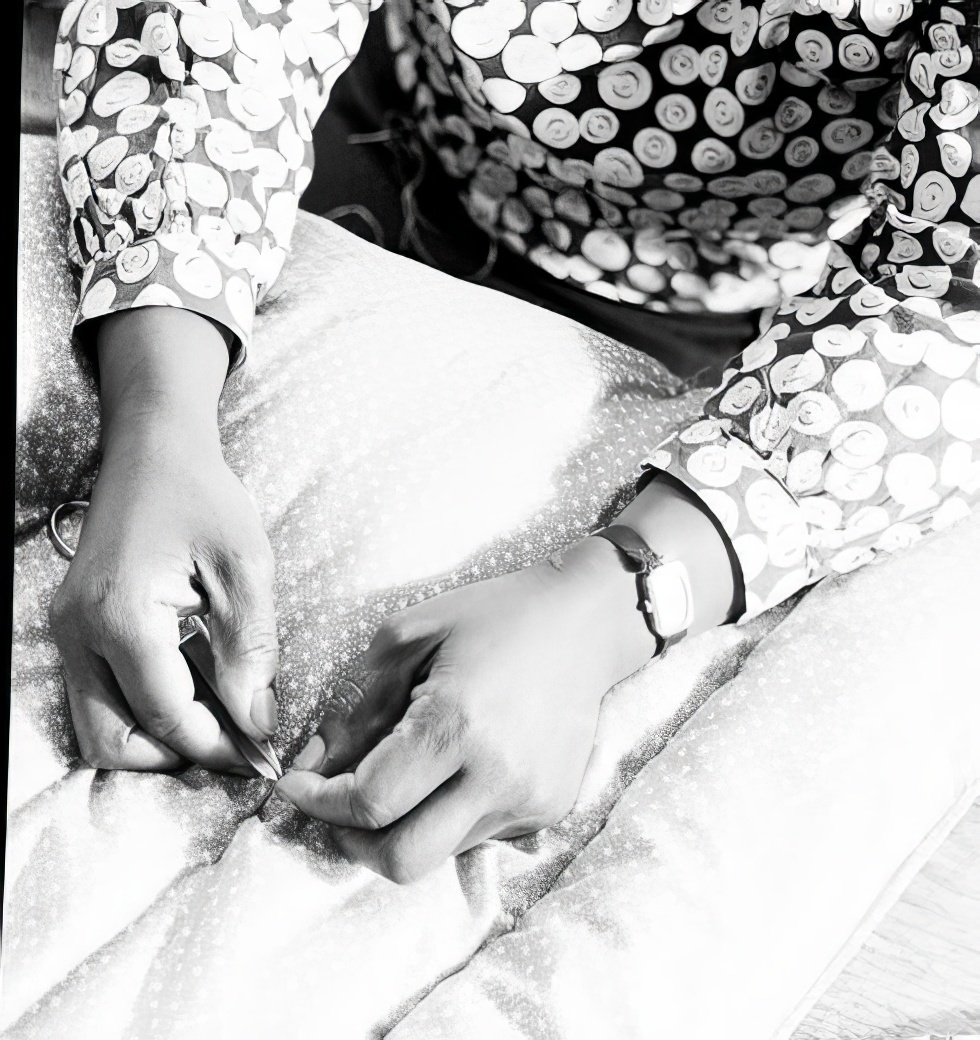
918	975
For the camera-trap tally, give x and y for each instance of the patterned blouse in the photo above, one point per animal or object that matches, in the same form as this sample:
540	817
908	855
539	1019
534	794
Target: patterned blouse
812	157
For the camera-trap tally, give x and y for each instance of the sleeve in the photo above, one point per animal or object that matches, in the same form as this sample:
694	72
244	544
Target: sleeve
185	141
850	427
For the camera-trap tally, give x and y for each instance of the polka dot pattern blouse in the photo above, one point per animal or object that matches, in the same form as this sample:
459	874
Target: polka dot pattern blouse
811	157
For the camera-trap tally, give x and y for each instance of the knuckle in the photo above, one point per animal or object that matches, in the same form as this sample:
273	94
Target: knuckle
160	722
257	643
114	604
247	552
108	600
449	728
262	654
217	565
253	639
250	559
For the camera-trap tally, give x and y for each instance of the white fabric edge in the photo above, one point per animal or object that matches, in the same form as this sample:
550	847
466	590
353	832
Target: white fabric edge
884	902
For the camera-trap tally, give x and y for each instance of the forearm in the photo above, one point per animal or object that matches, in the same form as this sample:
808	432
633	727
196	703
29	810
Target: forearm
160	368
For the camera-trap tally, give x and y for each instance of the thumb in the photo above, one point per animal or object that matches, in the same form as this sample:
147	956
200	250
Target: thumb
368	704
242	623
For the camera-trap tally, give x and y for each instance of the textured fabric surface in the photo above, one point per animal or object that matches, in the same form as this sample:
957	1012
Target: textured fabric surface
748	797
714	886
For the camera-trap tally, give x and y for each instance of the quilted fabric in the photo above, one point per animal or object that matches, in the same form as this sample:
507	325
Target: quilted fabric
748	799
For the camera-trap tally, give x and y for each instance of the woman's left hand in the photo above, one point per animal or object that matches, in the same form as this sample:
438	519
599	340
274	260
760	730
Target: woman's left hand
493	693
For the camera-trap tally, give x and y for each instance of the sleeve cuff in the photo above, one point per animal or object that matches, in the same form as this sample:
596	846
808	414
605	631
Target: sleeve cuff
767	527
160	271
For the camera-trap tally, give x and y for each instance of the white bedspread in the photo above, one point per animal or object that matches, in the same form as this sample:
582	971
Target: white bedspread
750	803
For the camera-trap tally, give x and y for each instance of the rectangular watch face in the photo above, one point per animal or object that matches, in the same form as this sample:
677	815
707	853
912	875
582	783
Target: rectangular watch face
669	599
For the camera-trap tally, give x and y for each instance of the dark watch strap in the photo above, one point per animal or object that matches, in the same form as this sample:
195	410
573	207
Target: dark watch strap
640	559
638	555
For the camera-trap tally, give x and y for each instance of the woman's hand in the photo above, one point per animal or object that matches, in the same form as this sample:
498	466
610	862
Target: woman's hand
497	688
170	532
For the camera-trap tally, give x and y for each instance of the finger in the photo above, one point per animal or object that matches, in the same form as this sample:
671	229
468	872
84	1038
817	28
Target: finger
422	840
423	751
242	623
107	734
158	686
365	708
493	825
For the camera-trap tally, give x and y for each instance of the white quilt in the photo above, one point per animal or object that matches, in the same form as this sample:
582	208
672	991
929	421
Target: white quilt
753	801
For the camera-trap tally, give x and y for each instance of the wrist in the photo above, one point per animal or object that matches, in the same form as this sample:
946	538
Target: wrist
158	432
594	573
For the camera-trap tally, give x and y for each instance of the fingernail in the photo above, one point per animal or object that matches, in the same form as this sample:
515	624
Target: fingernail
264	713
313	756
281	789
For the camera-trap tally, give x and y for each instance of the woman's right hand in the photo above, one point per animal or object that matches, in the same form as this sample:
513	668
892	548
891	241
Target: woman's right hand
170	532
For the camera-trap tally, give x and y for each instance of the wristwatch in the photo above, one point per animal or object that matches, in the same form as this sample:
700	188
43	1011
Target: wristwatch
663	588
